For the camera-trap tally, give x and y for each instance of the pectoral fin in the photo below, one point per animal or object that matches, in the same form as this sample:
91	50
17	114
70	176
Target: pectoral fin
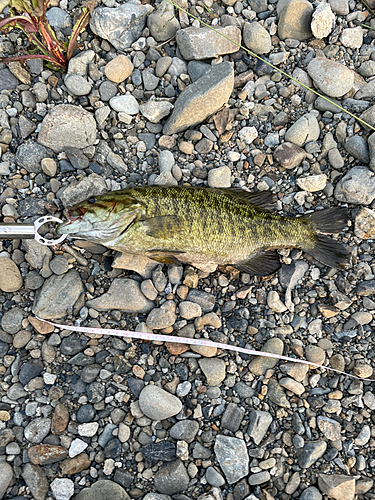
263	264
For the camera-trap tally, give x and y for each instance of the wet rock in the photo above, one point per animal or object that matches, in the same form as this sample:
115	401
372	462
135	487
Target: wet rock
213	89
67	125
36	480
337	486
331	77
357	186
233	458
158	404
58	296
295	20
172	478
123	295
204	43
122	25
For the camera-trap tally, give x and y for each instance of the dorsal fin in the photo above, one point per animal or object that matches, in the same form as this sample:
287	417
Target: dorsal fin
265	200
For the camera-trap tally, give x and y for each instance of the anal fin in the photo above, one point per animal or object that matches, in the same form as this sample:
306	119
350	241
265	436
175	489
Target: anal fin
263	264
164	256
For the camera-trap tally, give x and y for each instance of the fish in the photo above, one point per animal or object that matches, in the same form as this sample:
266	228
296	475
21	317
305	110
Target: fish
185	224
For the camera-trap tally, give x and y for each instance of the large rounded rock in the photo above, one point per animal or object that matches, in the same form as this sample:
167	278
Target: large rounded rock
357	186
304	130
158	404
162	23
172	478
256	38
6	476
103	490
332	78
67	125
295	20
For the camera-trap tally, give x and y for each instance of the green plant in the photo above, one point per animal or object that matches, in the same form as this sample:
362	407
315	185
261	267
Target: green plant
30	17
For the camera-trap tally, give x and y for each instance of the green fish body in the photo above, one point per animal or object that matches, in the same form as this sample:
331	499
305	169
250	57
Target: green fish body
202	225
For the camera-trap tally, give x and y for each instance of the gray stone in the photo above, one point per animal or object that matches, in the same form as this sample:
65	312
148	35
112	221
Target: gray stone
36	480
311	452
30	154
295	20
323	21
77	85
276	394
340	7
259	478
335	159
103	489
11	322
162	23
357	147
213	369
352	37
58	296
172	478
204	43
163	316
256	38
27	127
201	99
125	104
122	25
6	476
62	488
304	130
37	430
158	404
184	430
357	186
88	186
67	125
331	77
219	177
7	80
196	69
79	64
311	493
150	81
58	18
232	417
259	365
214	478
289	155
330	428
232	456
123	295
155	111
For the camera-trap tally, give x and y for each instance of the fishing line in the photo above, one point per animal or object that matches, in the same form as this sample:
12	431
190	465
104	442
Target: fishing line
189	341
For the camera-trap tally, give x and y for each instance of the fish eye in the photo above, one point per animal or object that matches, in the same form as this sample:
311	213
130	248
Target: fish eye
92	200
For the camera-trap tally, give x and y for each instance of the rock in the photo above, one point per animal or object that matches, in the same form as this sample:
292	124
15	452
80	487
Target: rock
6	476
292	385
11	321
60	419
232	456
158	404
340	7
259	422
185	430
368	116
88	186
77	85
248	134
335	159
337	486
171	478
155	111
213	89
136	263
213	369
36	480
295	20
37	430
259	365
75	465
323	21
289	155
204	43
163	451
58	296
189	310
10	276
352	37
43	454
330	428
219	177
162	317
363	437
122	25
162	23
123	295
27	127
7	80
357	147
67	125
30	370
256	38
125	104
103	489
274	302
312	183
276	394
311	452
311	493
30	154
332	78
119	69
365	224
304	130
365	92
79	64
62	488
259	478
357	186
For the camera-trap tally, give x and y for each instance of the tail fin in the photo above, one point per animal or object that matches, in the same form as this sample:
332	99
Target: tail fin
326	250
329	252
330	220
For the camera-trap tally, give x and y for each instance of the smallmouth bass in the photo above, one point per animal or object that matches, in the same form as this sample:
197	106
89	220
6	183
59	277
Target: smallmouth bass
203	225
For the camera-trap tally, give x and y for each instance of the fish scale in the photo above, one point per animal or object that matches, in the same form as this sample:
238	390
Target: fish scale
203	225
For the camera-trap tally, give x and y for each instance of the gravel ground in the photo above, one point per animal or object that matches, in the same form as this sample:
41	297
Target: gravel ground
152	97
